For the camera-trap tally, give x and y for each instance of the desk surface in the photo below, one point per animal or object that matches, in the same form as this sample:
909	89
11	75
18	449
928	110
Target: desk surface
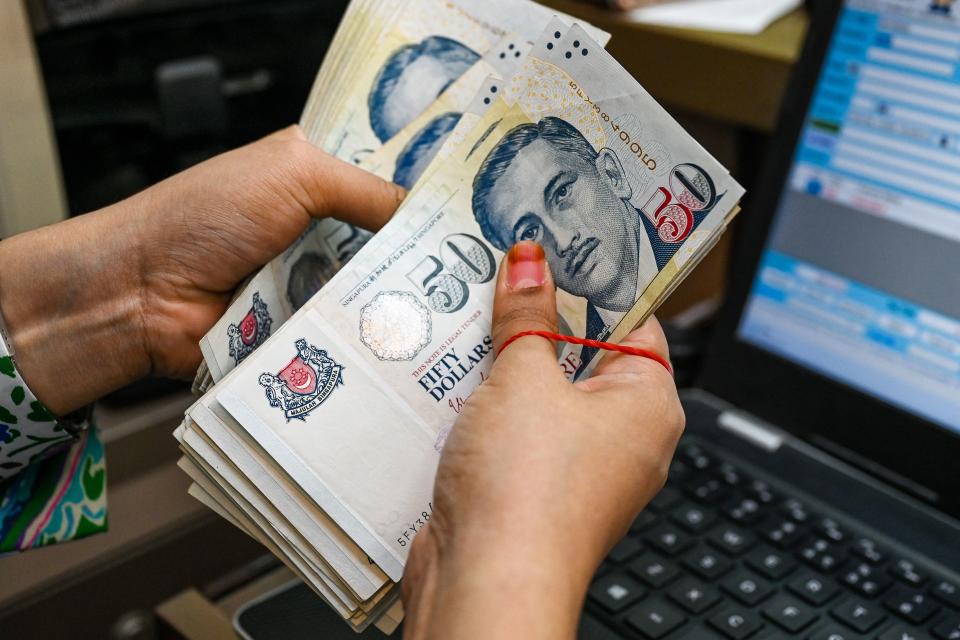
737	79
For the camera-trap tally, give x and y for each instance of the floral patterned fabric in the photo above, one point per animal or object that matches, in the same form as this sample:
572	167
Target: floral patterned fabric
52	482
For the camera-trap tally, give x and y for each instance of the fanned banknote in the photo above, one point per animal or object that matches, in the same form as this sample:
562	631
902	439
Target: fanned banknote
323	443
390	113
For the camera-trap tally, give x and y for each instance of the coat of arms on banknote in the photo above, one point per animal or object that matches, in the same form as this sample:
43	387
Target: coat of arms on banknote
303	385
251	332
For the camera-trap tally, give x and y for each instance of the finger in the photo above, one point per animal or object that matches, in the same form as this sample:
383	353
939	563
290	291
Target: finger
650	337
338	189
525	300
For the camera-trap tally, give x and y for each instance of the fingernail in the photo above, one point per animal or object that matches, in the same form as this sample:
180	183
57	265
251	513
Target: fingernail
526	266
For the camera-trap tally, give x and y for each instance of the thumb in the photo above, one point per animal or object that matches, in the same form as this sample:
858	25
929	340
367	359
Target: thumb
525	300
341	190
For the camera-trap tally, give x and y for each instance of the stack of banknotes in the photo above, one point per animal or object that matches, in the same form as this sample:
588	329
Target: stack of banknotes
332	381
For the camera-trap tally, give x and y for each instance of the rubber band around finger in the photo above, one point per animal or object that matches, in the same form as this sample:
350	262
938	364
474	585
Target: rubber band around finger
596	344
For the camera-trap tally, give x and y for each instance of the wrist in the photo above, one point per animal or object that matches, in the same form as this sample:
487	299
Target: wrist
517	587
70	298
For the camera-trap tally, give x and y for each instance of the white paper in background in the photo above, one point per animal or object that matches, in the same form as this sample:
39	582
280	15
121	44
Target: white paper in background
734	16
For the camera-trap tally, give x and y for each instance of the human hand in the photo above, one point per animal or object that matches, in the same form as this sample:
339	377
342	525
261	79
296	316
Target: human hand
539	477
209	227
100	300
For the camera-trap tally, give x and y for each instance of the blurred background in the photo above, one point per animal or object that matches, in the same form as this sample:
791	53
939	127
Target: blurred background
102	98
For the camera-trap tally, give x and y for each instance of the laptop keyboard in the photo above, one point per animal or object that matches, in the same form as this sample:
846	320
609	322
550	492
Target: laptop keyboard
721	555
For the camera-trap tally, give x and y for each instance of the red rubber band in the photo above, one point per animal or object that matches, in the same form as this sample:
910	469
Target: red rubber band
596	344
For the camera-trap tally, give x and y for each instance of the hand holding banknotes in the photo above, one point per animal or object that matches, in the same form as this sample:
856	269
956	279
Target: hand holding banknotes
539	476
135	285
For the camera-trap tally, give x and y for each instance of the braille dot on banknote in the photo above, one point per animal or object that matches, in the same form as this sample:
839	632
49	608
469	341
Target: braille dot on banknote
395	325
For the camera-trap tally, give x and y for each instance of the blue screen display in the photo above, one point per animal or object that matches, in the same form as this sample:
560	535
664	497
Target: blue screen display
860	279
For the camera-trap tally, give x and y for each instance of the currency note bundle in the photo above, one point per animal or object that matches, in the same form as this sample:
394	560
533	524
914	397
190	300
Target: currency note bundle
396	81
322	438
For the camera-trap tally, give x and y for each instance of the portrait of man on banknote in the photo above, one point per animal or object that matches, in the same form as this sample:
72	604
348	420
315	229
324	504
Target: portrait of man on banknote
412	78
307	275
547	183
422	148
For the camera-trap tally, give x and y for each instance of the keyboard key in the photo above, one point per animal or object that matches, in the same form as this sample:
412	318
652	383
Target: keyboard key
834	632
693	518
783	532
624	550
770	563
731	539
747	587
906	571
706	563
789	613
900	632
668	539
912	606
653	570
643	521
695	456
655	618
736	623
946	592
709	490
693	595
615	592
859	615
592	629
744	510
730	475
868	550
604	568
761	492
679	471
948	629
796	511
830	529
813	588
667	498
864	578
822	555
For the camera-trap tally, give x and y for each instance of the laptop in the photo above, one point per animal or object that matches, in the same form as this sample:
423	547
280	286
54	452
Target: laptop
816	492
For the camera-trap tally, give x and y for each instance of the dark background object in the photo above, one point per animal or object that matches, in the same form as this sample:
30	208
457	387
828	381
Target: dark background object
117	85
296	613
142	89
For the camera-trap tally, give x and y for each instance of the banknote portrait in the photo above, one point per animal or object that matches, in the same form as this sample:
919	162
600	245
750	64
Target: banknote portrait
412	78
547	183
422	148
307	275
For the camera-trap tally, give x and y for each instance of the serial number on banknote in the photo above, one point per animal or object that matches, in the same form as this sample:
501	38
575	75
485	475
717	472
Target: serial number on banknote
416	526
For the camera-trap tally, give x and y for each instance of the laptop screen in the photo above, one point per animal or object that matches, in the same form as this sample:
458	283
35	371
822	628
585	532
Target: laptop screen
860	277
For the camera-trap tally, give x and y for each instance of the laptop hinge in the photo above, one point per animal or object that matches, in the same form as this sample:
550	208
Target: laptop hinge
750	430
852	458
